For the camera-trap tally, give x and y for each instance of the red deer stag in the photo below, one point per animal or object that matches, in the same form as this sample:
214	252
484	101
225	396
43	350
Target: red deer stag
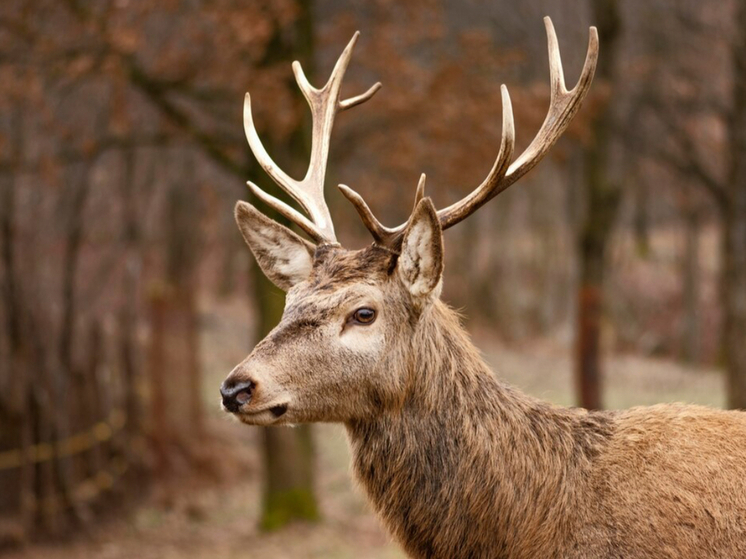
455	462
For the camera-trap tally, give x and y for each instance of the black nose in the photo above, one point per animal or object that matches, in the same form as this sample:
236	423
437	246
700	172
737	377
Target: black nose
235	394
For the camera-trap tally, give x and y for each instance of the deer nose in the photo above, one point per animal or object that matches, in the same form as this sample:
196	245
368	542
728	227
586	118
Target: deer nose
235	394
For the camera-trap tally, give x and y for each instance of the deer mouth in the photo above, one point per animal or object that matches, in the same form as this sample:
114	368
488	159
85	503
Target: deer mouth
279	411
263	416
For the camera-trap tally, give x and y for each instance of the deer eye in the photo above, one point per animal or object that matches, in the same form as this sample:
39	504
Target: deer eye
364	315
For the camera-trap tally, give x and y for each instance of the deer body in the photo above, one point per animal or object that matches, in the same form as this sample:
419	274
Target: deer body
456	463
470	467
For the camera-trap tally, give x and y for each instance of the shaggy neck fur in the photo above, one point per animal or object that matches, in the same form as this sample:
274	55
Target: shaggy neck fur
468	466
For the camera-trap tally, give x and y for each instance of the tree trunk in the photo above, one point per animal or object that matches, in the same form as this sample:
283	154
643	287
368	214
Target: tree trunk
602	199
641	222
690	271
176	403
288	453
182	322
734	234
157	376
128	318
15	489
734	305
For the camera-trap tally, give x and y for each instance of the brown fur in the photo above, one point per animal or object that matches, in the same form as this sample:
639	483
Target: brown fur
470	467
458	464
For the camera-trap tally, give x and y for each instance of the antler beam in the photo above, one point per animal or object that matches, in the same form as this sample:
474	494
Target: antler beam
563	105
308	192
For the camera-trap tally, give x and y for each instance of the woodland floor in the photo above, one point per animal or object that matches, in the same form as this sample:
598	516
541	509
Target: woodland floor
219	520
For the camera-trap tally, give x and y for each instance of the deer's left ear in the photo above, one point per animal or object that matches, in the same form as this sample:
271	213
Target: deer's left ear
284	257
420	265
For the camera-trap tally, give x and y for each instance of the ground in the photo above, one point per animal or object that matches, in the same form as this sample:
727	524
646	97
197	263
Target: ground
209	521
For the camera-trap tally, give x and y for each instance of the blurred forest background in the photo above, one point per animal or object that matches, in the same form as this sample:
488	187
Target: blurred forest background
613	275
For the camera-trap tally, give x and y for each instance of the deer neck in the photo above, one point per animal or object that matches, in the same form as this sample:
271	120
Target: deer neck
468	462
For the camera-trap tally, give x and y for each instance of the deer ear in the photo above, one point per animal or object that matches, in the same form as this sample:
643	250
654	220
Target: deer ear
420	265
284	257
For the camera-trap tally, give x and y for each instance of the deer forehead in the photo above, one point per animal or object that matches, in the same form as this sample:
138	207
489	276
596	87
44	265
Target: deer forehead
336	267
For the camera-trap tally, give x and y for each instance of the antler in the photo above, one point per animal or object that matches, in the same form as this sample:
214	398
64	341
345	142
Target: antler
562	108
309	192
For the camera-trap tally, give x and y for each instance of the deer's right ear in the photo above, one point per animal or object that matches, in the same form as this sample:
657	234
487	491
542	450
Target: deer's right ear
284	257
420	265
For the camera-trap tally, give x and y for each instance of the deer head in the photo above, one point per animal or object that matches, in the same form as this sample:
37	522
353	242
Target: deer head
340	352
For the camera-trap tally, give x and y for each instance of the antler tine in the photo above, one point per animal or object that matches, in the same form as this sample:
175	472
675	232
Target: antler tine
563	105
308	192
358	99
420	192
382	235
287	212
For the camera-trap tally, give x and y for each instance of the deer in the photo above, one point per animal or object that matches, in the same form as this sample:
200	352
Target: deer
455	462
